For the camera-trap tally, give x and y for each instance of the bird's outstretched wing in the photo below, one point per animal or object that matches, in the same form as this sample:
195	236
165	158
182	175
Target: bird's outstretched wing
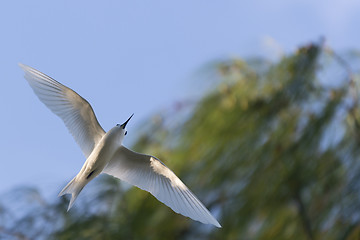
150	174
74	110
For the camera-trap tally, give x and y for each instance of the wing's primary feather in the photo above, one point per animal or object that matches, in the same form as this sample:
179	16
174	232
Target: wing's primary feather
74	110
150	174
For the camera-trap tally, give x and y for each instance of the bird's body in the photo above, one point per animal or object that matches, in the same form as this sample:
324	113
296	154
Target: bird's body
95	163
105	153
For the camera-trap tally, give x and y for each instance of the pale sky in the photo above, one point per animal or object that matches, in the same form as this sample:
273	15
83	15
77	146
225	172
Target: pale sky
137	57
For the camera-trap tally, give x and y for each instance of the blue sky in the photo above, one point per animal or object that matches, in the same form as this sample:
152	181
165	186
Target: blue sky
137	57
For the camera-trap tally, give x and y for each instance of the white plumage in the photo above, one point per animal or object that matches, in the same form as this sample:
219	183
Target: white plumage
105	153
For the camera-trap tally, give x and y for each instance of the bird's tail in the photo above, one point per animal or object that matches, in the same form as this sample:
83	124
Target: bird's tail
74	187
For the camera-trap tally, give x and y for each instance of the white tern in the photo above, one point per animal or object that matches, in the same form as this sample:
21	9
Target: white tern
105	153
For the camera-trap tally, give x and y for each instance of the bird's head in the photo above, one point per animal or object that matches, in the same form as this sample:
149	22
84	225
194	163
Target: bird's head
122	127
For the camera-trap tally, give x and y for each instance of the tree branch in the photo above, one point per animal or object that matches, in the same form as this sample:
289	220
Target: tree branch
305	220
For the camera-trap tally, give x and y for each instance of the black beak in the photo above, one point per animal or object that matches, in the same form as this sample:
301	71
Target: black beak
124	124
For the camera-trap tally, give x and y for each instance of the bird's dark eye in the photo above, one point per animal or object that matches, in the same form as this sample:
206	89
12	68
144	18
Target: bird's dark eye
117	125
125	132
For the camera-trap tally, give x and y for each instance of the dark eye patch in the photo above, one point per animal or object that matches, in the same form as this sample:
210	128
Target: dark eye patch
125	132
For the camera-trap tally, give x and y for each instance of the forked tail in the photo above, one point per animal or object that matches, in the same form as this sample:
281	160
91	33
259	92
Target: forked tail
74	187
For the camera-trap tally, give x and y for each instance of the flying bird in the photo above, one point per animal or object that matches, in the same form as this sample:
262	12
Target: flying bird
105	153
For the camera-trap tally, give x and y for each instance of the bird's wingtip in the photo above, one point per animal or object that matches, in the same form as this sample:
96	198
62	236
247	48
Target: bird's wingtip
23	66
217	224
214	222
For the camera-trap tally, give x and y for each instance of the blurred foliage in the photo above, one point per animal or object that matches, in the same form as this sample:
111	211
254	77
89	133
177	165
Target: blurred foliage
272	151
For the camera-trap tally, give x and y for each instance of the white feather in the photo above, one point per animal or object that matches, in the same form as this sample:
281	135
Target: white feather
143	171
74	110
150	174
